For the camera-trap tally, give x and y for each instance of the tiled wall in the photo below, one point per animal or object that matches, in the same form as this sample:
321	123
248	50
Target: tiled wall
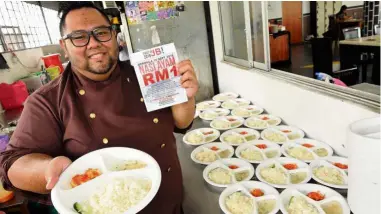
371	16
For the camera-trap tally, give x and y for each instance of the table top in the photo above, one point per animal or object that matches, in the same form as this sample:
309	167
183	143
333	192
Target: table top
363	41
350	20
370	88
200	197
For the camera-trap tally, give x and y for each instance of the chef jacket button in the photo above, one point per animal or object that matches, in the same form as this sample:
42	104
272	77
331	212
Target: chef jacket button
105	140
92	115
162	145
128	79
82	92
141	99
155	120
169	169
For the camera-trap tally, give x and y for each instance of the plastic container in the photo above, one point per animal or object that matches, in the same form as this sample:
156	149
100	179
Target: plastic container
363	138
53	60
13	95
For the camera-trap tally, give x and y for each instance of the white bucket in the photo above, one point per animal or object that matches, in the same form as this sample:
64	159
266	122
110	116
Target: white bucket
363	138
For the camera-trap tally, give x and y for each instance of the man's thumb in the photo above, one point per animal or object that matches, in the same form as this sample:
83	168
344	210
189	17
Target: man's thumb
55	168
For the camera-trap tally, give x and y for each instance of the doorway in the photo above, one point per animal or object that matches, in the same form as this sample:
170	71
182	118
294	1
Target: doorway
292	20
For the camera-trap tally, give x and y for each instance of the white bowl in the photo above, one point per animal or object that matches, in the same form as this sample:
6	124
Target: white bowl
225	96
265	118
291	131
196	114
329	163
64	197
209	146
251	110
279	162
303	189
316	145
205	132
228	119
218	112
245	187
270	147
235	103
225	163
207	105
242	133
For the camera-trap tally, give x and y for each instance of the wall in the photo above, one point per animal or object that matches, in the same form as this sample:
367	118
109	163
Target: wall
353	3
275	9
322	117
29	57
188	32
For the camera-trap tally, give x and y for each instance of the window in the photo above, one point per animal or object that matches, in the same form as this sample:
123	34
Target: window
22	26
244	35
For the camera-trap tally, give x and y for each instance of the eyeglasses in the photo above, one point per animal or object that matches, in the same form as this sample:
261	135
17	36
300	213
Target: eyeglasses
81	38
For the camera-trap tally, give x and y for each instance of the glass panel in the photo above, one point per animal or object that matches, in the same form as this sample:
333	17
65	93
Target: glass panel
256	23
1	48
13	39
7	39
19	38
233	29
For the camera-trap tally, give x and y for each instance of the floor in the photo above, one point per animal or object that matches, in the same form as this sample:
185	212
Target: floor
301	58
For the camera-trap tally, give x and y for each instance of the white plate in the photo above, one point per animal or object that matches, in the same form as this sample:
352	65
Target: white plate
279	162
211	147
303	189
225	96
234	122
196	114
242	133
329	163
286	131
265	118
225	163
246	187
300	143
253	145
235	103
337	159
207	105
208	135
214	113
64	197
247	111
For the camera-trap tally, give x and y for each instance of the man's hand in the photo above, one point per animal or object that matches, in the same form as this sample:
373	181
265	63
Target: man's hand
188	78
55	167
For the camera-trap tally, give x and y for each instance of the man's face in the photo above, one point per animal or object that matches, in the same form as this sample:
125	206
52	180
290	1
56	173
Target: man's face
96	57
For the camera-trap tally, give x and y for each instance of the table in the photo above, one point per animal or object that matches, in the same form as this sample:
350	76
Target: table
351	50
199	197
370	88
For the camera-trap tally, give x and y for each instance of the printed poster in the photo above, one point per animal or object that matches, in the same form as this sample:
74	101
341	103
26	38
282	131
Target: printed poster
140	11
158	77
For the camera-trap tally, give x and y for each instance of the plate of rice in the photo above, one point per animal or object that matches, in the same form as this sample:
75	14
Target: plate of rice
227	122
224	172
307	150
213	113
225	96
258	151
313	199
201	136
235	103
210	152
283	172
282	134
332	172
262	121
133	176
251	197
207	105
238	136
247	111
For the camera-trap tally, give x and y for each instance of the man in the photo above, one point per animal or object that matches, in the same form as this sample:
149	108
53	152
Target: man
96	103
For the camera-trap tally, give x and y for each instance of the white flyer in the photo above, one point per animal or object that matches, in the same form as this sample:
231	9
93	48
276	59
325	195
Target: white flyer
159	79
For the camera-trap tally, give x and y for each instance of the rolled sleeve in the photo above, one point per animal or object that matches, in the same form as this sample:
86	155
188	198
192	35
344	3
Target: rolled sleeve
38	131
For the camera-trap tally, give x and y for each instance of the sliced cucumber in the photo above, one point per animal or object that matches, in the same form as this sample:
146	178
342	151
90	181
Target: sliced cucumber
81	208
292	197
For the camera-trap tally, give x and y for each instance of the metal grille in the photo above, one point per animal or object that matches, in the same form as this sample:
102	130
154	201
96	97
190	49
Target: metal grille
21	26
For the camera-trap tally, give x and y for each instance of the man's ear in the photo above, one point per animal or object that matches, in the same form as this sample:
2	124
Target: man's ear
63	46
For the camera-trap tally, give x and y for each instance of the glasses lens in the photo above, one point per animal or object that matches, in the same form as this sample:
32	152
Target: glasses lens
80	38
102	34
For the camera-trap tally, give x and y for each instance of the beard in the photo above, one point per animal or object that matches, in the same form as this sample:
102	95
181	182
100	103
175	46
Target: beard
99	67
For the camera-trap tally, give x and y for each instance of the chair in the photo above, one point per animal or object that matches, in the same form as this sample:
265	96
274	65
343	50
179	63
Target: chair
322	59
